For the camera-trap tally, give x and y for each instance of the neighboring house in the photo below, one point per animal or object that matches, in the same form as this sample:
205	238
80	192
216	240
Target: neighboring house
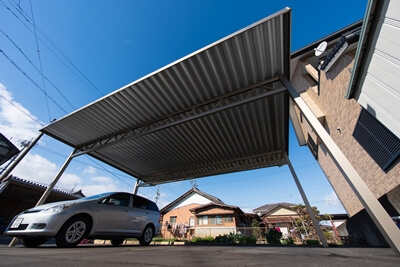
177	219
214	219
196	213
336	224
353	88
278	215
17	195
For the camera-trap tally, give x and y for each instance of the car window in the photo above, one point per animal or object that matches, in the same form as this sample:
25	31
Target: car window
140	202
119	199
153	206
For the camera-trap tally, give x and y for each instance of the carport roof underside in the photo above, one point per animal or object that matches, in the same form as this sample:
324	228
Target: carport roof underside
220	109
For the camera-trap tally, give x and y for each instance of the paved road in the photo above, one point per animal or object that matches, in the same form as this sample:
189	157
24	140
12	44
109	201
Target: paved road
162	255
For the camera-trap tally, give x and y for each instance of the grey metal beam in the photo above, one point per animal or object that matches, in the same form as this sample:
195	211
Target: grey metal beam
47	192
150	128
21	155
307	203
378	214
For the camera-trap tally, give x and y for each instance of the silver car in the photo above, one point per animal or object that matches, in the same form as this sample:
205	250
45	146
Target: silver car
114	216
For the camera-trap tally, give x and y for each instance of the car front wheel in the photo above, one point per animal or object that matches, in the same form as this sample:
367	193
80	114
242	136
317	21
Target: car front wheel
72	232
147	236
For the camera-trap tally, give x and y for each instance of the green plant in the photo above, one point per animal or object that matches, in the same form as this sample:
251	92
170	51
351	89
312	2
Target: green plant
286	241
202	239
232	238
273	236
161	239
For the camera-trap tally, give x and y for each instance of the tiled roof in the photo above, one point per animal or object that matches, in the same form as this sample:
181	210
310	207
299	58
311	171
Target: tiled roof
268	207
194	190
16	180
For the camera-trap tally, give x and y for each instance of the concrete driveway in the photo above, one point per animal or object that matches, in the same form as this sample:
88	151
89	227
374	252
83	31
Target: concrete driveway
194	255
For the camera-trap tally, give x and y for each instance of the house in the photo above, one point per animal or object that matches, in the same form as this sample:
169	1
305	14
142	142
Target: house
17	195
197	213
214	219
278	215
351	84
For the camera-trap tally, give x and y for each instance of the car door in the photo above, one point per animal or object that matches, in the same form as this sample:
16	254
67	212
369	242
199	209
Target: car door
114	215
139	214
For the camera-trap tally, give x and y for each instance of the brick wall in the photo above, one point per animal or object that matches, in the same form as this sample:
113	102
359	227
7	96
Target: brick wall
341	116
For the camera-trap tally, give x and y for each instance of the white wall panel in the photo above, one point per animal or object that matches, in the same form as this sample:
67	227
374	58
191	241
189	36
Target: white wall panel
380	93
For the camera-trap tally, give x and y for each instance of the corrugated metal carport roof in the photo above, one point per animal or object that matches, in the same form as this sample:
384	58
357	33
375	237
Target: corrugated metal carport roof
221	109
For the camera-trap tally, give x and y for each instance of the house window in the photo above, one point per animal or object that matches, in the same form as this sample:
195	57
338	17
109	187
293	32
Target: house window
379	142
202	220
172	220
228	218
205	220
312	146
215	220
191	222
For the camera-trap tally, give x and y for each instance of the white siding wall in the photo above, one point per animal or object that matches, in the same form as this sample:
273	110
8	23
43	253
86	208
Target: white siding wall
380	93
193	198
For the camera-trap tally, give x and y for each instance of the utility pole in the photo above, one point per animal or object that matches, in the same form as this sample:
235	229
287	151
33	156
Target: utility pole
157	193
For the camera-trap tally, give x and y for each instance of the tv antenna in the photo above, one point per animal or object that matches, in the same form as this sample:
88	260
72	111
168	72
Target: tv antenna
321	48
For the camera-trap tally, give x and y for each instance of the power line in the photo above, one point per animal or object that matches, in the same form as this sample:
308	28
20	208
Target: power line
36	68
40	61
73	69
24	112
29	78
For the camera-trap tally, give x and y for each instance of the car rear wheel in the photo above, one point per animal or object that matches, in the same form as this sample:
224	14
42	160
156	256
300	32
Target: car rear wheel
72	232
33	242
147	236
116	242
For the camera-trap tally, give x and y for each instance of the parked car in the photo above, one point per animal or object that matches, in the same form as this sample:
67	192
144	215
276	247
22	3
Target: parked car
114	216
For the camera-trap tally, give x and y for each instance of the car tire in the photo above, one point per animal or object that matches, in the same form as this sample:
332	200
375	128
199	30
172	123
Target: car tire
117	242
147	236
72	232
33	242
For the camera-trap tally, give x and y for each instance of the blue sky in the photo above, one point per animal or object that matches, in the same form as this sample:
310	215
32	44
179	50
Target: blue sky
88	49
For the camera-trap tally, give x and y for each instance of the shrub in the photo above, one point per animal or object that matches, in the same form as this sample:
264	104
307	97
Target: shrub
273	236
287	241
202	239
235	239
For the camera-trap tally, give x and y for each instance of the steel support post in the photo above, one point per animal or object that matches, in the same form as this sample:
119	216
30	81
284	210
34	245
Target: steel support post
20	157
136	188
308	206
46	193
378	214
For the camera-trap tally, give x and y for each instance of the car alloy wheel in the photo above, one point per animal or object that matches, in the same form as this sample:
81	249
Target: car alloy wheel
72	232
147	236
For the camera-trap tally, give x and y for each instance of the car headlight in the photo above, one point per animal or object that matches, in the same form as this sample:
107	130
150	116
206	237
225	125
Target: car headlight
59	208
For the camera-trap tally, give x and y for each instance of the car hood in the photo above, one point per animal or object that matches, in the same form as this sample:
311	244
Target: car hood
52	204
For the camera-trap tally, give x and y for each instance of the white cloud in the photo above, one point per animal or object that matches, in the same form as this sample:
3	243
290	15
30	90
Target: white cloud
102	179
36	168
89	170
39	169
16	122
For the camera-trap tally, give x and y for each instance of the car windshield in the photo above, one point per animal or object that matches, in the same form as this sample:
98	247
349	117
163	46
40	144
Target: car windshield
96	196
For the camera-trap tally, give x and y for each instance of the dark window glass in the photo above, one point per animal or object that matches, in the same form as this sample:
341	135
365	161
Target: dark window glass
140	202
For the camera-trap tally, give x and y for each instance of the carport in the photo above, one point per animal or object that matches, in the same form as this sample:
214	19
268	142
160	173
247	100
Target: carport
221	109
